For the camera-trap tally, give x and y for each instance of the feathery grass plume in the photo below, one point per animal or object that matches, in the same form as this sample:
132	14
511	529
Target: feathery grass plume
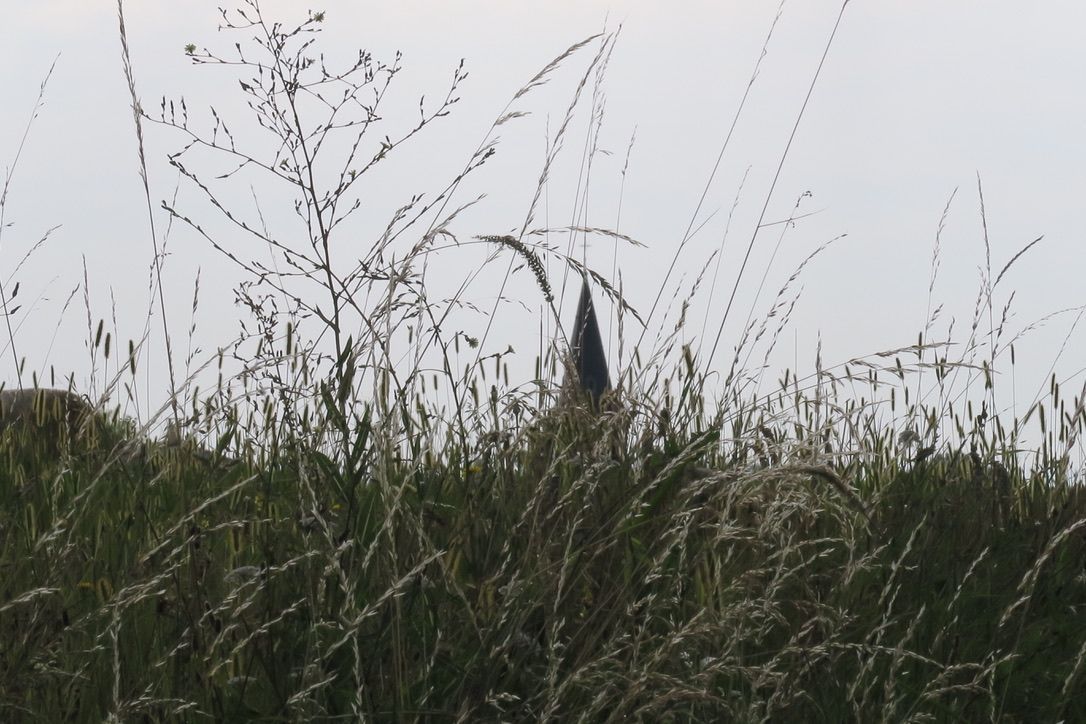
530	258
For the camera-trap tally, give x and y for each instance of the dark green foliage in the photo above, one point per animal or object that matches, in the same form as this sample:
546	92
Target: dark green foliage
558	572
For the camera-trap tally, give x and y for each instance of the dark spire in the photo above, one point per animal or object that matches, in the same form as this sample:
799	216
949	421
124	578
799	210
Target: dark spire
589	359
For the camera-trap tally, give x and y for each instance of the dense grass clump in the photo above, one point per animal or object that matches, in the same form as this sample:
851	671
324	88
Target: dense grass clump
571	567
345	531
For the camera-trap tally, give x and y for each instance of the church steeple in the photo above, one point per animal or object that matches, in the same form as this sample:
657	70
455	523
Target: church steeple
589	358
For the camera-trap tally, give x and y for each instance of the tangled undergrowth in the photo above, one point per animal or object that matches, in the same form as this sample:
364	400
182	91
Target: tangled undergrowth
328	537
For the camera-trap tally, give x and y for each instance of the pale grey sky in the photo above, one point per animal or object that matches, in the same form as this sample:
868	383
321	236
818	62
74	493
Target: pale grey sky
915	100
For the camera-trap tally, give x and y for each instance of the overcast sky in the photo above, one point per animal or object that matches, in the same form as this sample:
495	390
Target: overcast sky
915	100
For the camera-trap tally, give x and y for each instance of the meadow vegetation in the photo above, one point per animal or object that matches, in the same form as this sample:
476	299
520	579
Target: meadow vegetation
337	534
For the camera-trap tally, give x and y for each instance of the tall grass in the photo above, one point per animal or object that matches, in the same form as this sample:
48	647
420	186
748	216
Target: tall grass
342	533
